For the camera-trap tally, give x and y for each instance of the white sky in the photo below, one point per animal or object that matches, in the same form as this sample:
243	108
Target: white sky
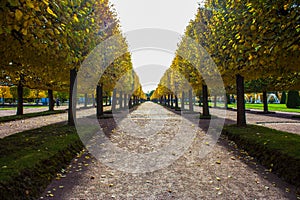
171	15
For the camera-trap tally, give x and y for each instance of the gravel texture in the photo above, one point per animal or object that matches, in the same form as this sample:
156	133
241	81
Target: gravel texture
225	173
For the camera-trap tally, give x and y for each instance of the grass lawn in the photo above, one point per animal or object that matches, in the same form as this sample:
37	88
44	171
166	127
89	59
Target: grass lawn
272	107
276	150
29	160
25	107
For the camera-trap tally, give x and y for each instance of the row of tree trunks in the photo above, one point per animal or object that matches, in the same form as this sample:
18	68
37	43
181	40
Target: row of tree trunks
51	100
241	116
99	99
182	100
72	98
20	99
205	108
241	112
265	102
191	104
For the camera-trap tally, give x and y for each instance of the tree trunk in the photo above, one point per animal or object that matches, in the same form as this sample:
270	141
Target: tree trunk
114	100
182	100
85	100
121	99
72	98
241	113
93	99
125	100
215	101
99	96
165	100
176	101
265	101
225	101
20	100
107	101
129	101
191	105
51	100
205	108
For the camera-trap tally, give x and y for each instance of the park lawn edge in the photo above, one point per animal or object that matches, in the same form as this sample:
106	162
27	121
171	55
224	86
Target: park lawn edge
26	170
278	151
29	115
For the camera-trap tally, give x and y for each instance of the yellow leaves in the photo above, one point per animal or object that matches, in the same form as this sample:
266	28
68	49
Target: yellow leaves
250	57
46	2
51	12
24	31
252	27
29	4
18	15
75	18
57	32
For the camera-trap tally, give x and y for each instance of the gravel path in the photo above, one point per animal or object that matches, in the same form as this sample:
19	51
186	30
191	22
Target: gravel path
225	173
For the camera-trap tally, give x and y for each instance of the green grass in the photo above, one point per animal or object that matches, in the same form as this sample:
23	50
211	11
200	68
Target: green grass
25	107
274	149
271	107
29	115
29	160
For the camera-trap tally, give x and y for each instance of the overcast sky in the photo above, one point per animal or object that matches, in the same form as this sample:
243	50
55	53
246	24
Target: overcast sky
172	15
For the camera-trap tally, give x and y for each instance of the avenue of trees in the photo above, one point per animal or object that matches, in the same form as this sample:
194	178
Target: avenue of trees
44	43
254	43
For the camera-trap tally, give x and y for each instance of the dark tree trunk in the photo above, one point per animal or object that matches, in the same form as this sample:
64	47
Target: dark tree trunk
125	100
93	98
205	108
176	101
265	101
99	96
215	101
226	101
129	101
191	105
72	98
107	101
165	100
85	100
241	113
20	99
182	100
121	99
114	100
51	100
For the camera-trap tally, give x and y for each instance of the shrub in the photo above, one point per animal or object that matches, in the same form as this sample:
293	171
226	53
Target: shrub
283	98
292	99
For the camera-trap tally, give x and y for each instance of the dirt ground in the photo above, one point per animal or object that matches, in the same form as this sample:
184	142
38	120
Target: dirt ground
226	172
